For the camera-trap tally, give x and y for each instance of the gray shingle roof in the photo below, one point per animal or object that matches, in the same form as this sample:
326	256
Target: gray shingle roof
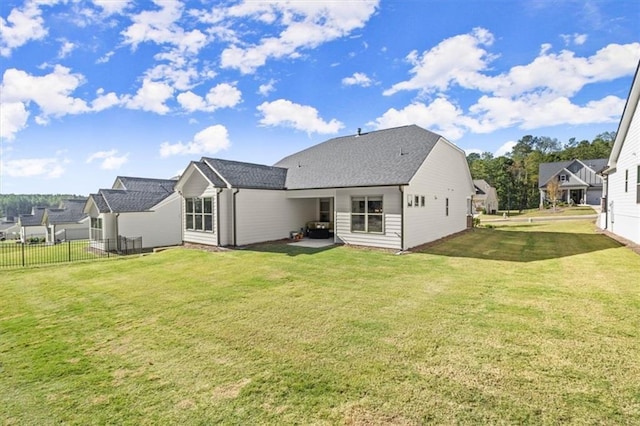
379	158
100	203
122	200
548	170
209	174
34	219
72	211
147	184
139	195
248	175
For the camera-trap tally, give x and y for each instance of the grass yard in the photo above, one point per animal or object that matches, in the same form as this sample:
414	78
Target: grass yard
527	324
14	255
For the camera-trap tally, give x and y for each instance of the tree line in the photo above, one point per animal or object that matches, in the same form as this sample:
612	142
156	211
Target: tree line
13	205
515	175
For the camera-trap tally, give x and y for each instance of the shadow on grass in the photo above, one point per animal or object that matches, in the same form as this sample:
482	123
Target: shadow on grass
519	246
284	248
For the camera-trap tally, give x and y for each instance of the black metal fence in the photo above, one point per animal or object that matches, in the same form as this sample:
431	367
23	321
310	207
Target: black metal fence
17	254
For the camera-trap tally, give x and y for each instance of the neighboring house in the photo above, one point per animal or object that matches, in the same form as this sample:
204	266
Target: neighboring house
579	181
621	204
31	224
486	198
396	188
68	222
9	228
133	208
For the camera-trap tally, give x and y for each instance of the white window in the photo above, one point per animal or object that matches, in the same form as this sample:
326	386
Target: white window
626	180
563	178
409	200
367	214
199	214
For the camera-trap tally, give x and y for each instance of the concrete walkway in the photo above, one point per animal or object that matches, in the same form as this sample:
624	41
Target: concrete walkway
313	243
545	218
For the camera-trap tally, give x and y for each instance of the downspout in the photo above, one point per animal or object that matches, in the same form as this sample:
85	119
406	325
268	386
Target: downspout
117	232
235	234
606	201
218	191
401	189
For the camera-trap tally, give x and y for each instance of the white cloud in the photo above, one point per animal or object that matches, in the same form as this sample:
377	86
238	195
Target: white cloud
13	118
50	168
535	111
306	25
50	92
534	95
66	48
112	6
103	101
160	27
461	60
267	88
110	159
357	79
441	116
150	97
575	38
21	26
208	141
221	96
300	117
458	59
504	149
106	58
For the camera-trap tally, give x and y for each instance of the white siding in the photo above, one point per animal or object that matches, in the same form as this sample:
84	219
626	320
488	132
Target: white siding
160	227
391	205
444	175
267	215
196	185
624	212
69	231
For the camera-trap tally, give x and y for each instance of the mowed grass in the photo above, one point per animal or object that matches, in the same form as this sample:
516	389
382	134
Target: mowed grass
529	324
14	255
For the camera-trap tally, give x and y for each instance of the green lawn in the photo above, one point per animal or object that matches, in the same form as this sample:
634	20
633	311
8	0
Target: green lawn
529	324
14	255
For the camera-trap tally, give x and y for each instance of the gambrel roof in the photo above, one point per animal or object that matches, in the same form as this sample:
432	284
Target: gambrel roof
378	158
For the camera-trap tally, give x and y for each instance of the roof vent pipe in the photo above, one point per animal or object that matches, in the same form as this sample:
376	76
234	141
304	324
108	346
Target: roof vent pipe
359	131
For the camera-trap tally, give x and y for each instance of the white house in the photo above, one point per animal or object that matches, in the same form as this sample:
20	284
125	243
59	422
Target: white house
135	208
621	194
578	181
31	225
396	188
68	222
485	197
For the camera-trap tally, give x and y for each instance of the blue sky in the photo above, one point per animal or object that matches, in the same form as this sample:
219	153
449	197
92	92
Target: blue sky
96	89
